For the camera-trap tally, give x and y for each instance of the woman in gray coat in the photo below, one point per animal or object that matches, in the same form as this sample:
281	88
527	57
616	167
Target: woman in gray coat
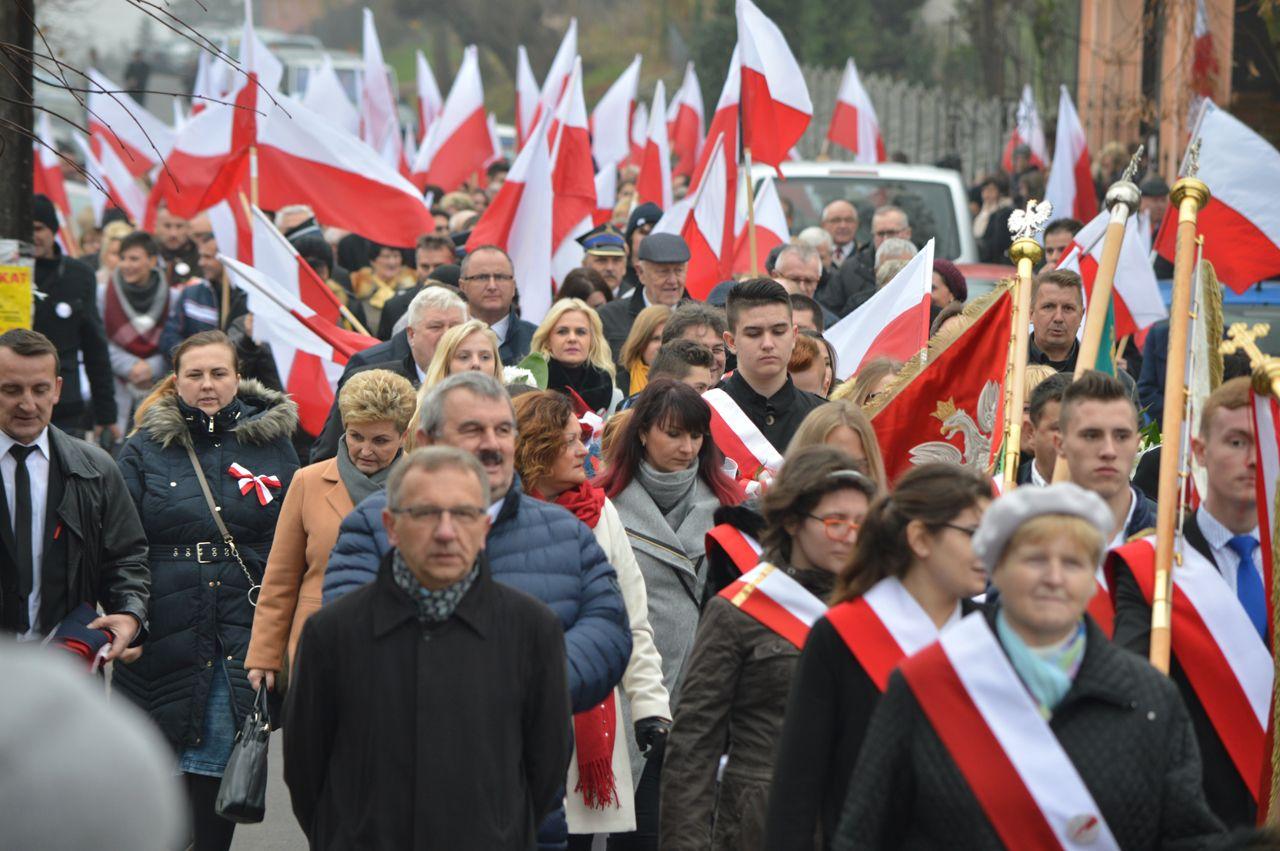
665	476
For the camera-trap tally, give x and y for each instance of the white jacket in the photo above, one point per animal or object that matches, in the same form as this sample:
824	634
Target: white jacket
641	683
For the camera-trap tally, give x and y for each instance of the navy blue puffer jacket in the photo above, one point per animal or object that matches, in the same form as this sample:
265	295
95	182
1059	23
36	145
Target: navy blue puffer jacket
199	607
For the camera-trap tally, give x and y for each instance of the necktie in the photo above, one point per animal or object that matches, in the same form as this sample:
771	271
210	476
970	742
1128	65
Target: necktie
1249	583
838	256
22	532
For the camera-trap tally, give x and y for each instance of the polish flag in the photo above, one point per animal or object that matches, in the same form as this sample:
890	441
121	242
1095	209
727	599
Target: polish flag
47	177
771	229
495	147
140	139
526	97
1241	222
1136	295
519	221
572	177
611	119
213	77
557	81
853	123
685	118
724	121
775	102
430	102
379	121
654	181
326	96
1027	131
639	132
1204	67
458	144
704	229
122	189
606	193
1070	185
256	58
892	323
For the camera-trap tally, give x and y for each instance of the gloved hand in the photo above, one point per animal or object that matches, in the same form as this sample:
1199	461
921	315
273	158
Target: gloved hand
651	736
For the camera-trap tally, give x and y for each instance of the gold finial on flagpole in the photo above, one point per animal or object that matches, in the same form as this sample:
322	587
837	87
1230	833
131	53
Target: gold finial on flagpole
1266	369
1026	252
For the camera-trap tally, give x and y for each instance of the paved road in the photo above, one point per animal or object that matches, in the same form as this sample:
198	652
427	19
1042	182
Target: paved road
279	831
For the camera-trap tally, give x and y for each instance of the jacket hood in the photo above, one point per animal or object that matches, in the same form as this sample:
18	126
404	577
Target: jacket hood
267	416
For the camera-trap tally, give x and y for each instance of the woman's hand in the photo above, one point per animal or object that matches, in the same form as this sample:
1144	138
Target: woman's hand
130	655
257	676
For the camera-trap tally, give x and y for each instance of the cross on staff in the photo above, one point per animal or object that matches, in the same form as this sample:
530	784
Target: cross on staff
1266	369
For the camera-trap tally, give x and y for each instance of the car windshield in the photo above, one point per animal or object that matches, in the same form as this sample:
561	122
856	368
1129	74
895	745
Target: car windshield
928	205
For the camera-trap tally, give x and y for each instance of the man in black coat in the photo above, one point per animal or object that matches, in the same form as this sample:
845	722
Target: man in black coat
488	283
72	534
66	296
429	709
662	263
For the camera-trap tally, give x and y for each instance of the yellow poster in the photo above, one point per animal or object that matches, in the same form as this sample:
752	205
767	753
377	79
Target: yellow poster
15	297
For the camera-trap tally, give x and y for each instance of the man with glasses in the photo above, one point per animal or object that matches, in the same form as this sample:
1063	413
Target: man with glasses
889	222
662	263
366	684
488	283
799	269
851	277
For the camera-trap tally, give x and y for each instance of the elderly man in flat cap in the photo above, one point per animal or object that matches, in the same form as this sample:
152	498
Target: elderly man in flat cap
662	263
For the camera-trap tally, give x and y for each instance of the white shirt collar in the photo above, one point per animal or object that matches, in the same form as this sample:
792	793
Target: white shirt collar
496	508
422	374
501	326
1128	518
1216	534
1036	478
41	442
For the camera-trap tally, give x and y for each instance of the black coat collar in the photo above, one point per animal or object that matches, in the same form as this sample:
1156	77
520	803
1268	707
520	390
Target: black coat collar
392	607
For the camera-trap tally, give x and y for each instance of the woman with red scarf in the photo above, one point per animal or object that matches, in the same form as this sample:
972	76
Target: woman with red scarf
550	458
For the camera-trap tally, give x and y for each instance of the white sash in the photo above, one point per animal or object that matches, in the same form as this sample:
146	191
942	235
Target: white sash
775	584
901	615
753	440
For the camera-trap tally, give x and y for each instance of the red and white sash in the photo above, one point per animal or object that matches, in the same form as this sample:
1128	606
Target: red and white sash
1101	607
1024	781
883	627
776	600
740	440
1224	659
742	549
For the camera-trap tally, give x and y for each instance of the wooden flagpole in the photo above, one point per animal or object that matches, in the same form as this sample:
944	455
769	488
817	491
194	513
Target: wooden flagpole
1026	253
751	214
1189	195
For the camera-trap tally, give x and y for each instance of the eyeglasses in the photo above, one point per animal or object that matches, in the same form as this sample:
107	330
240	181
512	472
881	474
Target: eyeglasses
837	528
432	514
887	234
968	530
496	277
802	282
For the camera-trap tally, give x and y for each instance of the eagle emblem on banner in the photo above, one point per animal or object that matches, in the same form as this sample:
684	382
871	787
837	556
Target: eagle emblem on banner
975	432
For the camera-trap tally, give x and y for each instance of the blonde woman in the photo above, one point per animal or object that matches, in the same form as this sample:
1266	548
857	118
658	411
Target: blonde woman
578	356
641	347
471	346
843	425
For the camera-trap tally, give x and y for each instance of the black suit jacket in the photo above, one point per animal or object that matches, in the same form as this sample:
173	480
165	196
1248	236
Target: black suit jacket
1224	789
326	445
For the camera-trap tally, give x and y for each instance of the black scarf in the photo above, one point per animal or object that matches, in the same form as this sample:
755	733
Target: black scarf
589	381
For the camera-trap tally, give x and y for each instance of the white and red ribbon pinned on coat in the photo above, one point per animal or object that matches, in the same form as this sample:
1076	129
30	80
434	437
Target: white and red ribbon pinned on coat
248	481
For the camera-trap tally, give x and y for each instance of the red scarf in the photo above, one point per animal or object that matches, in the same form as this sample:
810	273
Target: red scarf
123	332
594	729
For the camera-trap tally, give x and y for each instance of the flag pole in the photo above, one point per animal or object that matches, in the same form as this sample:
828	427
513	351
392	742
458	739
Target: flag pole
1122	199
1025	253
1189	195
751	214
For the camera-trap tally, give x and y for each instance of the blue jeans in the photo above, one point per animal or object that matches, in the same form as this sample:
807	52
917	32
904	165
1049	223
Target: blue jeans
219	732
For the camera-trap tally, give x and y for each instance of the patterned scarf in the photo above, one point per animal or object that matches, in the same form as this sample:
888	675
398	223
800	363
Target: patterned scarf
433	606
1047	672
134	317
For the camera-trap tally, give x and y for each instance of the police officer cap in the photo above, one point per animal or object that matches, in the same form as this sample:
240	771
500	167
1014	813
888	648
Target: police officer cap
603	241
663	248
1007	514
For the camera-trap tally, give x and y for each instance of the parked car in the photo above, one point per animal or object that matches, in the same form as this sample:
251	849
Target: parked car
1258	304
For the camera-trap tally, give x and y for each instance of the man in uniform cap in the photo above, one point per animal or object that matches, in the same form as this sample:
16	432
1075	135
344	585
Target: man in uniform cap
606	252
662	262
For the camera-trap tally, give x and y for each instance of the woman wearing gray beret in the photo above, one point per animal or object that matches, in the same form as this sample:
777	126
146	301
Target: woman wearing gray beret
1024	727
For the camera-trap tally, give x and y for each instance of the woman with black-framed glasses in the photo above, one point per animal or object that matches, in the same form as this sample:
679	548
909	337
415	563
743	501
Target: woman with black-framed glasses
748	642
910	575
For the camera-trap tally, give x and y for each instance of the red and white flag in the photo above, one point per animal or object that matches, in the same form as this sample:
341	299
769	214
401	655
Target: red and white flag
606	193
639	132
611	119
1204	67
1241	222
684	124
139	138
519	221
853	122
1070	184
724	121
326	96
771	229
704	229
653	185
892	323
1266	430
379	121
47	177
1027	130
458	143
430	101
526	97
775	101
213	77
122	189
572	177
557	81
1135	291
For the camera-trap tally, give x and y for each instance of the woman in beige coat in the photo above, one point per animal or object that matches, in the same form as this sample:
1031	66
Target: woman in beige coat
550	457
375	406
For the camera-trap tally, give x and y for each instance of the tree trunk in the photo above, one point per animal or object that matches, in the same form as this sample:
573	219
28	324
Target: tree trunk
17	33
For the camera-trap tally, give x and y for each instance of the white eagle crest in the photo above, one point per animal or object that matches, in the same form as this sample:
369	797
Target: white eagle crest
977	434
1029	222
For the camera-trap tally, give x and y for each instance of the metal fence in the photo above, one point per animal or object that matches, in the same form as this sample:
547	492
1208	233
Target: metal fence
926	123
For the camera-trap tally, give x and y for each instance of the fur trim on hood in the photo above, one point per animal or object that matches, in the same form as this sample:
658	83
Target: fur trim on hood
276	417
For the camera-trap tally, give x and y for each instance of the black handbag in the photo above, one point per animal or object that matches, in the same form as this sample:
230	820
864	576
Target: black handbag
242	796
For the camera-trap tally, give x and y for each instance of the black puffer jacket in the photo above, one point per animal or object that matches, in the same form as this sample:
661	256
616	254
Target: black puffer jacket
202	609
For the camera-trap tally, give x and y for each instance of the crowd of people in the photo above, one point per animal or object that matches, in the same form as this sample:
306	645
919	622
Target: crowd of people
517	592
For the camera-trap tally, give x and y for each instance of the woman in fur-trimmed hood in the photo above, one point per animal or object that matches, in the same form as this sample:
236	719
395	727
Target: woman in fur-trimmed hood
190	676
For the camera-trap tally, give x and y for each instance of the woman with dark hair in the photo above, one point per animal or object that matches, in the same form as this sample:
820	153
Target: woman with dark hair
587	285
666	478
739	673
911	574
204	435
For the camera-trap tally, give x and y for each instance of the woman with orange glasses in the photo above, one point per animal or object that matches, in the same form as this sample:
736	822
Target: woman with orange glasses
748	642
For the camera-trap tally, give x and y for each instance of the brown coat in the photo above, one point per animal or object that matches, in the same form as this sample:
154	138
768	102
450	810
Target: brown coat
305	534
